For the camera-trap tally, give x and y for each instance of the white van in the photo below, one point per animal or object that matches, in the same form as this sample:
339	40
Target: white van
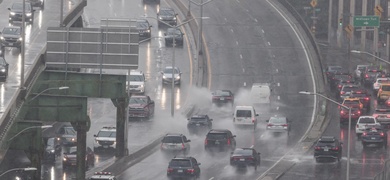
261	93
245	115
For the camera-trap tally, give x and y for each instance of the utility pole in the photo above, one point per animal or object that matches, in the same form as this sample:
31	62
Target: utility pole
376	31
352	14
340	27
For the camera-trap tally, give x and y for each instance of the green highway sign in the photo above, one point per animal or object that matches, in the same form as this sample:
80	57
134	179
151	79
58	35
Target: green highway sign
366	21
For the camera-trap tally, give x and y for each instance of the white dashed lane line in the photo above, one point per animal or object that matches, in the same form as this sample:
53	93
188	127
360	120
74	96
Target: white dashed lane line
269	44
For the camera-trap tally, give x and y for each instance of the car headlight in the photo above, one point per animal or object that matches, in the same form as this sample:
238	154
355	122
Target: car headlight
52	151
2	70
159	17
20	39
28	14
73	139
65	159
2	38
148	30
164	77
141	86
177	77
174	18
12	13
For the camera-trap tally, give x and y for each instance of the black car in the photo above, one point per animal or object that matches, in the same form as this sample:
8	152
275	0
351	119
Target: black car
197	123
243	157
166	16
331	69
183	167
3	69
16	12
151	1
144	28
11	36
328	147
368	76
220	97
2	50
220	139
52	150
374	135
174	33
67	136
38	3
336	77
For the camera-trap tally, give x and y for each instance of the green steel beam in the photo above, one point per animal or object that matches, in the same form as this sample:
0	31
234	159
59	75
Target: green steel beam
82	84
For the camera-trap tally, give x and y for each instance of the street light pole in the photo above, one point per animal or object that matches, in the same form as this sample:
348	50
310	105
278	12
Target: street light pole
59	88
349	125
373	55
19	169
173	56
22	49
31	127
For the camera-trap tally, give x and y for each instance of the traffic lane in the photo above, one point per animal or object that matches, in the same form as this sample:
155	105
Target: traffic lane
35	40
216	164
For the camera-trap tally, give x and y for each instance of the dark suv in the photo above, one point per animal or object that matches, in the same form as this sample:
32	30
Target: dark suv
197	123
183	167
3	69
16	12
166	15
37	3
221	139
328	147
374	135
243	157
144	28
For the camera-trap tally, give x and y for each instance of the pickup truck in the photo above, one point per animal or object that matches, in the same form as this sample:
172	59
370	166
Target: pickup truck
141	106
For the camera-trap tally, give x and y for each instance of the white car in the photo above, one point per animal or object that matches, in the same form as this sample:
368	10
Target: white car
378	82
170	74
137	82
173	142
365	122
261	93
105	139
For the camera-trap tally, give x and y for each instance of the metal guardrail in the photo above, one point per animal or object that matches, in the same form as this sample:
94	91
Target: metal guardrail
74	14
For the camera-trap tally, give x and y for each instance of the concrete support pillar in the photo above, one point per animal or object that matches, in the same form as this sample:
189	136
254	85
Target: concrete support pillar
81	128
121	127
363	32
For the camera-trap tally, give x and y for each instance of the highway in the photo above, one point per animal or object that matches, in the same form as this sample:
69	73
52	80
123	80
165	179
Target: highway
244	46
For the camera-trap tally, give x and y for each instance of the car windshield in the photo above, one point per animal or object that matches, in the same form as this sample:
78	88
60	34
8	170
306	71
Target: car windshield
11	30
72	150
382	111
172	139
335	68
351	102
69	130
367	120
385	88
349	88
169	71
180	163
217	136
221	93
142	24
362	68
173	31
19	6
139	78
138	101
383	81
2	61
50	142
167	13
358	95
277	120
198	119
106	134
243	152
244	113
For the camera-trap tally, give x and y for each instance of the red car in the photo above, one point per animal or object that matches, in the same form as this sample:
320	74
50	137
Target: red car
344	115
70	158
141	107
364	97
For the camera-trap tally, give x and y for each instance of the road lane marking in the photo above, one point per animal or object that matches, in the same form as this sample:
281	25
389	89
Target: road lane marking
256	20
241	56
278	84
236	42
244	83
277	108
269	44
211	178
231	30
243	70
277	70
278	97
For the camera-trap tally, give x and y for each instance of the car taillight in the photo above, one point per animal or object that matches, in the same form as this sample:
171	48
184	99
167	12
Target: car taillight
285	125
367	98
182	146
364	134
388	102
366	76
253	120
335	148
342	92
191	171
169	170
317	148
375	115
228	141
215	97
250	158
205	142
357	125
342	112
269	124
359	112
229	97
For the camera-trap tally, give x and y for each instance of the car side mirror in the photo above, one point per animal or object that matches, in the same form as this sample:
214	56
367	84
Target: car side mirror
266	120
231	152
341	143
188	119
151	102
188	140
199	164
257	114
165	34
182	34
9	9
176	14
234	135
258	153
94	135
211	119
150	26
